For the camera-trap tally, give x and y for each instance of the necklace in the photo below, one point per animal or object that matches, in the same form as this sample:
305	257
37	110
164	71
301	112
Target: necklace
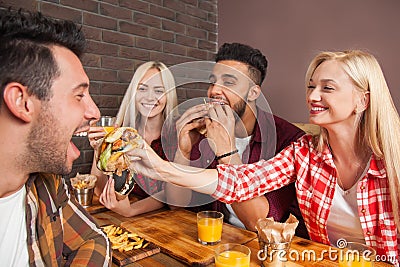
361	166
359	172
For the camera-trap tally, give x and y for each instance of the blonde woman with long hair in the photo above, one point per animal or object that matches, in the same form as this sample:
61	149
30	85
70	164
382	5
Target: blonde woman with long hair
347	178
149	99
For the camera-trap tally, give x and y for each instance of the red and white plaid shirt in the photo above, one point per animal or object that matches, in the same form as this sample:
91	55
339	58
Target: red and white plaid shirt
315	176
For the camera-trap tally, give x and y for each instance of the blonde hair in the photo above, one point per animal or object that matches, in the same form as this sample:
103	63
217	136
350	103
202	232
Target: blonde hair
127	114
379	126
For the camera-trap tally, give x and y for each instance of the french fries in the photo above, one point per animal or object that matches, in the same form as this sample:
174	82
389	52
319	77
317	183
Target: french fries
81	184
123	240
83	181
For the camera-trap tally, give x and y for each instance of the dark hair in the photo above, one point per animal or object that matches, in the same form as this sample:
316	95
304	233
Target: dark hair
256	61
25	49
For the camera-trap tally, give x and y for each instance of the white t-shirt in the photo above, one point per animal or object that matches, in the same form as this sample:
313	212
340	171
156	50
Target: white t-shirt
241	144
13	234
344	220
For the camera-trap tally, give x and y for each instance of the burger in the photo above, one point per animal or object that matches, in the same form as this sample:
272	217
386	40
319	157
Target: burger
202	129
113	161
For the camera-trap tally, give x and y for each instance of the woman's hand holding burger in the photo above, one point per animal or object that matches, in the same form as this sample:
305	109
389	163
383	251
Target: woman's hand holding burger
109	200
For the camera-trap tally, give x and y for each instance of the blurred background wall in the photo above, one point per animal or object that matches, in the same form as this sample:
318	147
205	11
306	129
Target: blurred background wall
291	32
122	34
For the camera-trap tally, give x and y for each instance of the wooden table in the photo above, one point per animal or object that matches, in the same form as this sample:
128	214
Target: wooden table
302	253
178	241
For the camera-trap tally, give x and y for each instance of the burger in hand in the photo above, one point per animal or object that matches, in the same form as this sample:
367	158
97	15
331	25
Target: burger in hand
113	160
202	129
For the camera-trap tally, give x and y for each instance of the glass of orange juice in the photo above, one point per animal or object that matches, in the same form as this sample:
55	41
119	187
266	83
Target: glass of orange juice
356	255
232	255
209	227
107	122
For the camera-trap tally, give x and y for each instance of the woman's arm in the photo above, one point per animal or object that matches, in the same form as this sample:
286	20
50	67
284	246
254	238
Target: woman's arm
146	162
124	207
228	183
251	210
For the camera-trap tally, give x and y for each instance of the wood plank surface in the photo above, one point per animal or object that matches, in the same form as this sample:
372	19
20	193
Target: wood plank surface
122	258
177	245
175	232
109	217
305	253
125	257
97	207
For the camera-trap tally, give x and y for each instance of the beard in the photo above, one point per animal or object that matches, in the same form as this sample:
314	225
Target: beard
240	108
46	150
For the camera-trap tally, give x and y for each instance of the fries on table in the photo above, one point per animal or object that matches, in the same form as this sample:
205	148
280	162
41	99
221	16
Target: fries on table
123	240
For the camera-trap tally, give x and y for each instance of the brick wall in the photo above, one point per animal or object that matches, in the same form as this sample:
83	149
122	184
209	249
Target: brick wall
122	34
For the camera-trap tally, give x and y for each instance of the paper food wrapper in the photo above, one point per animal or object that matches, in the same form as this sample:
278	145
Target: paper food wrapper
83	181
270	231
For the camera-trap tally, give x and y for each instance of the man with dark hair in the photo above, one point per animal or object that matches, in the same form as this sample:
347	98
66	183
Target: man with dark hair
256	134
44	102
256	62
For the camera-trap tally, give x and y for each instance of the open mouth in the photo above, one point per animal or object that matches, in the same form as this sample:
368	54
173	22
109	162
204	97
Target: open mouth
81	134
218	101
317	109
149	106
73	151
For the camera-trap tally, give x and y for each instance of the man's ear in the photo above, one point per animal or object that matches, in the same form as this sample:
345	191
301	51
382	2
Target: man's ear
254	93
18	101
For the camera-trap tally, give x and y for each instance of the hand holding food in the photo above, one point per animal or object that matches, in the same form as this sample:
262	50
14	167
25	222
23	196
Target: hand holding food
112	159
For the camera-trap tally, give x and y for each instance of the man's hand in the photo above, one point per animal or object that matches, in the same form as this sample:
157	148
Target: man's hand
221	129
251	210
186	127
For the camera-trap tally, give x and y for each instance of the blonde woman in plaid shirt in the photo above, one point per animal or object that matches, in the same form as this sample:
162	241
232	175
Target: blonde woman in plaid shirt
349	171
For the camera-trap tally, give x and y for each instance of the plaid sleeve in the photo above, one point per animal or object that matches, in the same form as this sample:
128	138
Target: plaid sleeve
244	182
85	244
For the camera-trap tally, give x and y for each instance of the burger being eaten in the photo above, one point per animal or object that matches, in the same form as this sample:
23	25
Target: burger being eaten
202	129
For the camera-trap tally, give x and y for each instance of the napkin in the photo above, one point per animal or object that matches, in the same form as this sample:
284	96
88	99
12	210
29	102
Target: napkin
276	232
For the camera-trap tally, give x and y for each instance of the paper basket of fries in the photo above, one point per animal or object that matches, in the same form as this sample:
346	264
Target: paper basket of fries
83	187
274	239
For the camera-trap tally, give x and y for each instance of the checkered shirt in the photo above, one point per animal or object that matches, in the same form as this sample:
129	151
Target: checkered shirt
315	177
60	231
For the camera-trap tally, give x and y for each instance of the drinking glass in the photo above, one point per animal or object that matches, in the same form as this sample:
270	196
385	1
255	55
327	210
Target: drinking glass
107	122
232	255
209	227
357	255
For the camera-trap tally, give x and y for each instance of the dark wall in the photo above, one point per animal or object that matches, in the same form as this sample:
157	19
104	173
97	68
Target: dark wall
291	32
122	34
